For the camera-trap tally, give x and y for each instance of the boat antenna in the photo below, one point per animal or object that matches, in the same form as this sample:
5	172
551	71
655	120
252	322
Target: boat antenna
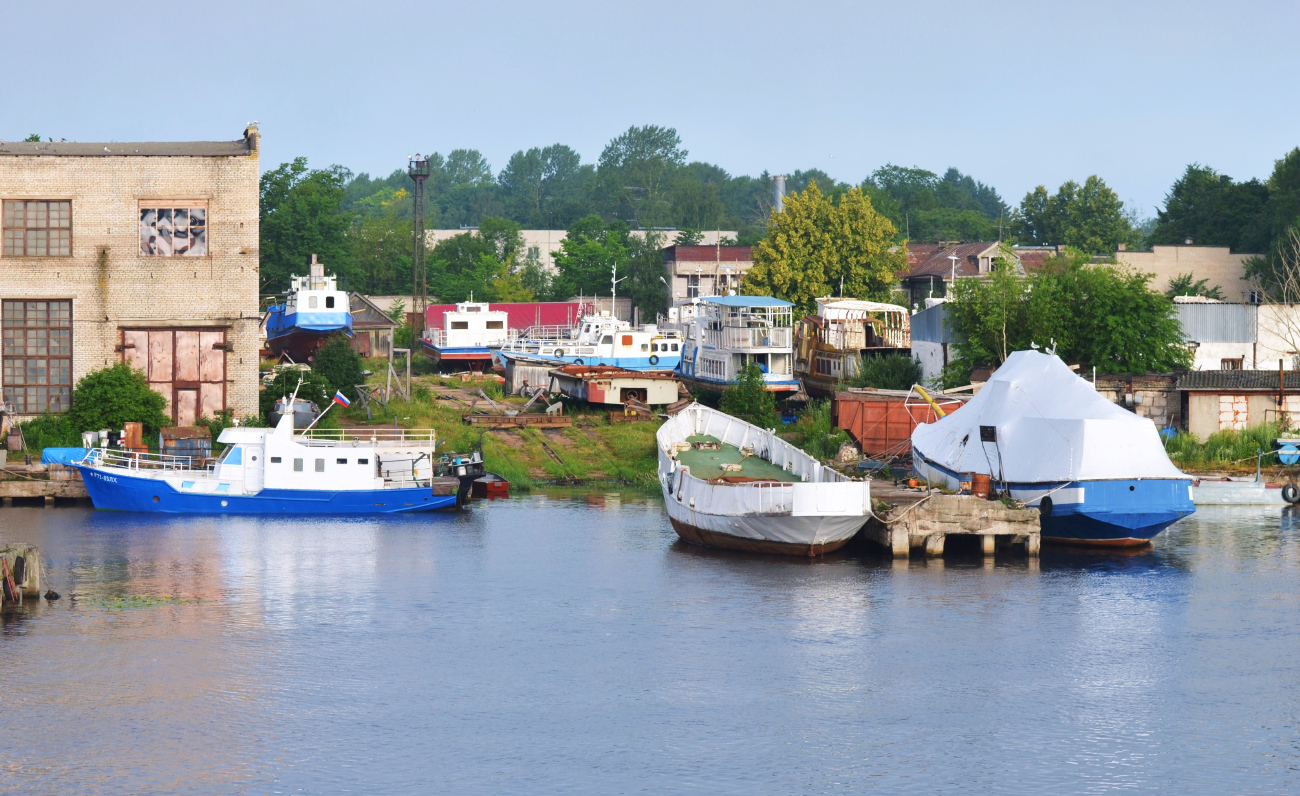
613	291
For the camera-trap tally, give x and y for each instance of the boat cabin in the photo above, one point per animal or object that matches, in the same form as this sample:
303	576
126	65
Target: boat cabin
317	294
724	334
829	345
473	324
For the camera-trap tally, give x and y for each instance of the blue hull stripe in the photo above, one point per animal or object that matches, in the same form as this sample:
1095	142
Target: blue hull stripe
130	493
666	361
279	324
1112	510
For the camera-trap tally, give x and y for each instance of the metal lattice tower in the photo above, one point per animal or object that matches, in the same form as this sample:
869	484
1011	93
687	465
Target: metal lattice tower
419	172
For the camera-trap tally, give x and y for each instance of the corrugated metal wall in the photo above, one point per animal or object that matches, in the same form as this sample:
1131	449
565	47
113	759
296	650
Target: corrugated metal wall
930	325
1214	323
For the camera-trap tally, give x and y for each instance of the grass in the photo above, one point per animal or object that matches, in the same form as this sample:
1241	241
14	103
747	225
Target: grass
815	433
1223	449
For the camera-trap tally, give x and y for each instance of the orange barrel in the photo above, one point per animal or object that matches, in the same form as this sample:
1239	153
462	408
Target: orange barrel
980	485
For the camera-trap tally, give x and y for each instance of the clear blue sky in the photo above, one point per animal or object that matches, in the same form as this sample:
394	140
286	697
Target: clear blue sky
1013	93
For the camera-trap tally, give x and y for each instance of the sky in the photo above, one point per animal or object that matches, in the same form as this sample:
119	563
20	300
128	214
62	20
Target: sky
1015	94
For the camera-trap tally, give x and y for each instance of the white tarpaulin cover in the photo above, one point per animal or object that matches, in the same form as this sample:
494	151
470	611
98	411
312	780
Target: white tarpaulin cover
1051	426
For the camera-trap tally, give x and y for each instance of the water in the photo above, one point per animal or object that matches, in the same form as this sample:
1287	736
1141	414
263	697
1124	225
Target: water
546	645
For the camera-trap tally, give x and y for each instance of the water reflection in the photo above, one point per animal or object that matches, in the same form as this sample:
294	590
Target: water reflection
569	642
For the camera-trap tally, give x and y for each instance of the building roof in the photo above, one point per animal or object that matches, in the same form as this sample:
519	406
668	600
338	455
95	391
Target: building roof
367	313
1235	380
931	259
176	149
746	301
701	254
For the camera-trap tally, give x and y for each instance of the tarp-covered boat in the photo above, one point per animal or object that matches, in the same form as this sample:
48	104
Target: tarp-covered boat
1097	472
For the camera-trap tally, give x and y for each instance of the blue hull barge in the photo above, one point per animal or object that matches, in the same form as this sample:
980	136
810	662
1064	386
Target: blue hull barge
1097	473
278	471
314	310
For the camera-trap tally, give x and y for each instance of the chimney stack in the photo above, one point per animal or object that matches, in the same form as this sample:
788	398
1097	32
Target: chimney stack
778	192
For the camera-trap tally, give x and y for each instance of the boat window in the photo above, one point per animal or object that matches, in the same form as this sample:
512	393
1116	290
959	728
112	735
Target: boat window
329	302
674	346
363	461
320	465
460	324
311	302
645	346
297	465
275	460
607	340
232	455
340	461
496	324
587	328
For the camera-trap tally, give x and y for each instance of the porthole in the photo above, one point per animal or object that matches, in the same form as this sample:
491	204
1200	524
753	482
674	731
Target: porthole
224	504
155	498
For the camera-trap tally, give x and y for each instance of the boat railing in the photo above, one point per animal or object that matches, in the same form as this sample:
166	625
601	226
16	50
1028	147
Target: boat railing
551	332
438	337
132	460
367	434
748	337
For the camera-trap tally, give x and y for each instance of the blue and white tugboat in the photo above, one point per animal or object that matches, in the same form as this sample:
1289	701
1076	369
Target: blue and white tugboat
314	310
279	471
1097	472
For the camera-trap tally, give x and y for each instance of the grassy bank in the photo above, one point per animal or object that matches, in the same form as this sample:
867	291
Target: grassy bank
1224	450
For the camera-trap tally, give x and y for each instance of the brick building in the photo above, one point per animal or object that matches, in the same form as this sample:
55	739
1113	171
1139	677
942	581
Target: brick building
695	271
136	252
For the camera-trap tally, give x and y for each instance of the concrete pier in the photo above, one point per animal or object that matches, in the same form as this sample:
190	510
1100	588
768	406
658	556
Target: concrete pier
38	484
922	522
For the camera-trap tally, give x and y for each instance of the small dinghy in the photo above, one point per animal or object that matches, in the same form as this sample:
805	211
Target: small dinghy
730	484
1097	472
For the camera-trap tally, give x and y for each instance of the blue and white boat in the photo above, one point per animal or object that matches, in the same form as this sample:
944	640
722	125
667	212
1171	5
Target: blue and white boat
597	339
314	310
279	471
1097	473
468	334
723	334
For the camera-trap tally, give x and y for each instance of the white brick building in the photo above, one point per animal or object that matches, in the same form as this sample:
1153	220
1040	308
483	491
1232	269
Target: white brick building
136	252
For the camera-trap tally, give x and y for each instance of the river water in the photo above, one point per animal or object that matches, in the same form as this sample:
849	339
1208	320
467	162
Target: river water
569	644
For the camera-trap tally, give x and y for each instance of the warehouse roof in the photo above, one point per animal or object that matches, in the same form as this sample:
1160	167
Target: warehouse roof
241	147
1235	380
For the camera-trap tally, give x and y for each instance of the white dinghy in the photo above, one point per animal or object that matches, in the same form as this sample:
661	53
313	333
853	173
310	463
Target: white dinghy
731	484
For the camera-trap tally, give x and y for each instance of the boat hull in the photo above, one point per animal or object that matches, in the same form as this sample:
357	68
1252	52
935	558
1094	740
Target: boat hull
117	491
1118	513
475	358
782	388
725	541
778	533
665	362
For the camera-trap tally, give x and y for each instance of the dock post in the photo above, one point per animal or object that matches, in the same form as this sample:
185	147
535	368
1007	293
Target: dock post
49	501
934	545
1033	543
9	502
900	542
990	542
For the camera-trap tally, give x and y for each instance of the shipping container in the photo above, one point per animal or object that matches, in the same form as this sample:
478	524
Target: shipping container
881	421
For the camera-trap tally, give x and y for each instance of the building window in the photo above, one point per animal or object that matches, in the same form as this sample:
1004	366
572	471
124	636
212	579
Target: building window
693	286
38	355
534	252
1256	297
174	231
1232	364
37	229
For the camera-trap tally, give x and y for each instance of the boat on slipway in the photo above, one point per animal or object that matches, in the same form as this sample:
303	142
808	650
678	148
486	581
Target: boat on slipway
597	339
314	309
730	484
724	334
830	346
1097	473
465	336
280	471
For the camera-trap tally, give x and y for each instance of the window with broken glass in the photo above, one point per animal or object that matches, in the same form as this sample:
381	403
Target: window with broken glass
174	231
37	228
37	355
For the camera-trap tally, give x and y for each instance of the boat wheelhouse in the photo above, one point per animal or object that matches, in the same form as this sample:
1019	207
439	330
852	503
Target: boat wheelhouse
723	334
314	309
466	335
279	471
597	339
830	345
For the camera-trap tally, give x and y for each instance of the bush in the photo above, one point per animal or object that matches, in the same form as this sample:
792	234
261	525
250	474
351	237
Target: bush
816	434
1226	448
750	400
314	388
892	372
114	396
49	431
340	365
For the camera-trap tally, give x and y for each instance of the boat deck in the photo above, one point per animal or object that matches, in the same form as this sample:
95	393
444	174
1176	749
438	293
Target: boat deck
707	464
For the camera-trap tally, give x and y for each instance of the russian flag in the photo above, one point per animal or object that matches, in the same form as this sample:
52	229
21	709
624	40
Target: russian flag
341	399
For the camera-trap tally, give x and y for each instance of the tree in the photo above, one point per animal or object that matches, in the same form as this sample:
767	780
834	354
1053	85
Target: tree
112	396
1284	196
311	386
926	207
1095	315
482	265
1089	217
381	246
301	214
340	365
644	269
635	170
587	255
1188	285
32	139
541	186
892	372
817	247
749	399
1212	210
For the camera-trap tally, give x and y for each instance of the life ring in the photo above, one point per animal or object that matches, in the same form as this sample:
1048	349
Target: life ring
559	352
578	361
654	359
1291	493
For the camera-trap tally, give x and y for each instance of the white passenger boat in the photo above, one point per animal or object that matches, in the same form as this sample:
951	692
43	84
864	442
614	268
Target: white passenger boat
730	484
724	334
597	339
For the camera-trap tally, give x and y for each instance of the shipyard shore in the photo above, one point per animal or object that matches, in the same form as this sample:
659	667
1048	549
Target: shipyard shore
573	644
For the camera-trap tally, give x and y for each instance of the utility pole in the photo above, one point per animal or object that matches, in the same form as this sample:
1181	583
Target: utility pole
418	169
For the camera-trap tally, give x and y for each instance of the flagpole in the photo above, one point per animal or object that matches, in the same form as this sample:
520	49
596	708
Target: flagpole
319	416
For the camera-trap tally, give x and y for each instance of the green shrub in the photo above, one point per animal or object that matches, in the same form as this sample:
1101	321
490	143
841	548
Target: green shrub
816	434
340	365
750	400
314	388
892	372
1224	448
114	396
49	431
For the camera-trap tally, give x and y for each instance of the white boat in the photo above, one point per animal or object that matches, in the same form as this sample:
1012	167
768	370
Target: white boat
597	339
829	346
467	335
723	334
730	484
